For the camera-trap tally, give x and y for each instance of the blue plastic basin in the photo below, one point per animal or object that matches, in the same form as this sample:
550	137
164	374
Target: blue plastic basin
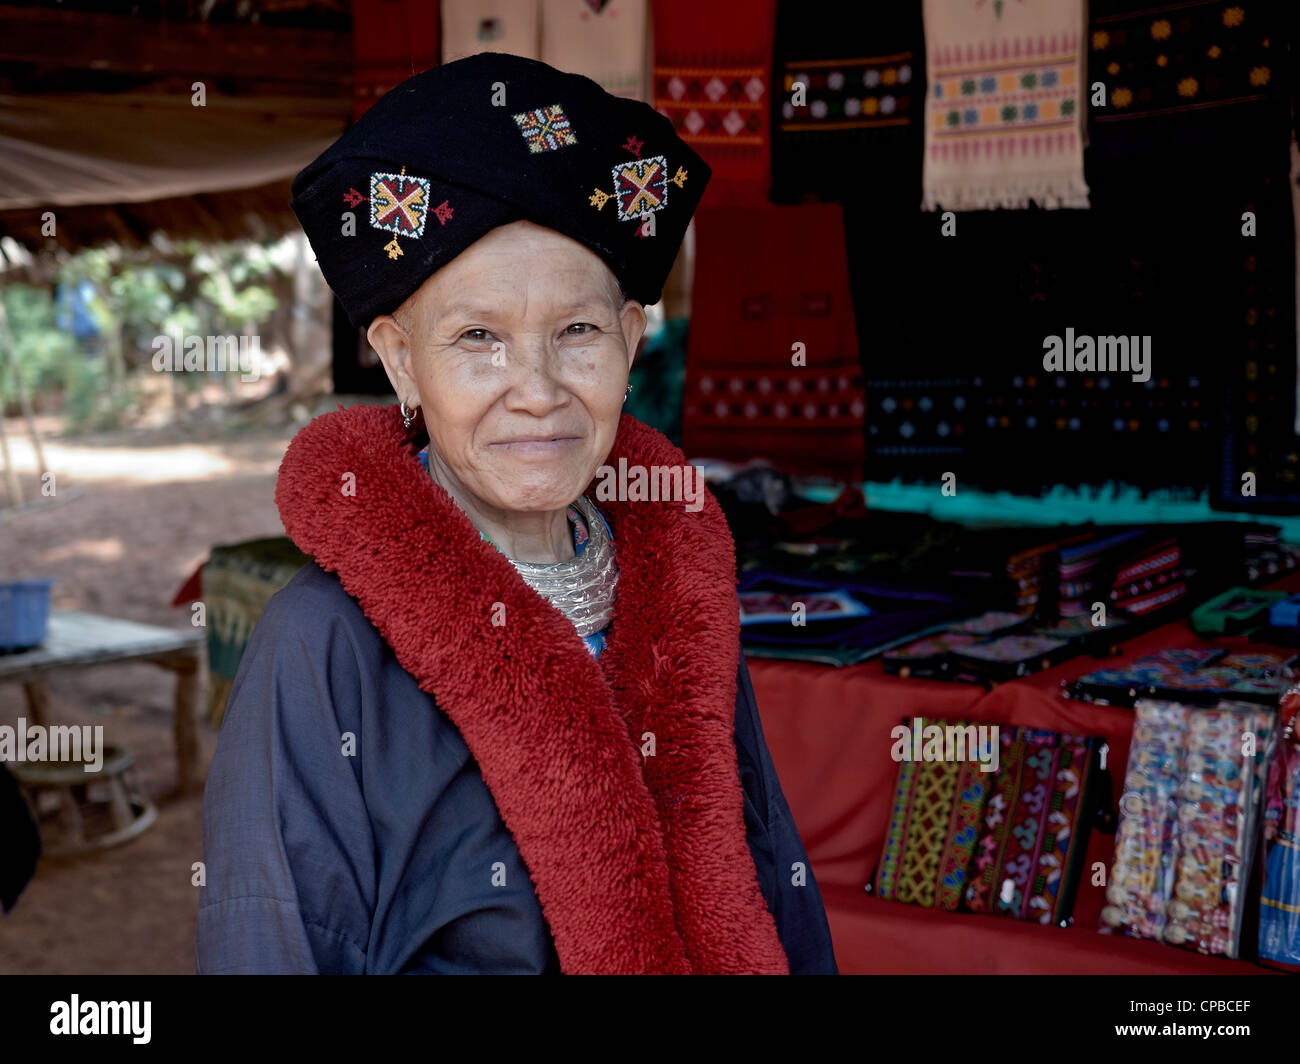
24	613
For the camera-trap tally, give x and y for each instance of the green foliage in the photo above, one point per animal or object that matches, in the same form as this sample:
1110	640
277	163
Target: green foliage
47	357
202	290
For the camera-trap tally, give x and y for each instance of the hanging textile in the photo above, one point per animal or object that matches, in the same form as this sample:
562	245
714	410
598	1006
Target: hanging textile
772	364
391	40
1187	75
607	40
473	26
712	77
1003	107
855	93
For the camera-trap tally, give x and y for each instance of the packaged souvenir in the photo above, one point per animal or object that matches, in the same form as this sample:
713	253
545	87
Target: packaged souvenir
1279	903
1189	818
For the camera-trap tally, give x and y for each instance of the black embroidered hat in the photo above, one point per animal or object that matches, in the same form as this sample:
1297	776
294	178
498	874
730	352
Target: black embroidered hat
454	152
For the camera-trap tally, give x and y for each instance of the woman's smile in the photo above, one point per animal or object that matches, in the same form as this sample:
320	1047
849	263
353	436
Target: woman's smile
544	447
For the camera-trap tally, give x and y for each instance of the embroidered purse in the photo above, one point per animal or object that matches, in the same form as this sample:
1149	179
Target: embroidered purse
1009	842
1034	834
933	822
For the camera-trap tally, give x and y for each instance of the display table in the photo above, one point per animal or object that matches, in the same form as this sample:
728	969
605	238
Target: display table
79	640
829	733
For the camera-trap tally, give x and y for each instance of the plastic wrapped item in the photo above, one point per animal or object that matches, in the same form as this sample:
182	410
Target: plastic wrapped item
1279	912
1141	882
1189	823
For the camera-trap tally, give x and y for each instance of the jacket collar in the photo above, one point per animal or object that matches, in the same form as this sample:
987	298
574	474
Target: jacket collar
640	860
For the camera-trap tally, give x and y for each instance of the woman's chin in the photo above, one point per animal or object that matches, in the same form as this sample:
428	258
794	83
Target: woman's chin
534	494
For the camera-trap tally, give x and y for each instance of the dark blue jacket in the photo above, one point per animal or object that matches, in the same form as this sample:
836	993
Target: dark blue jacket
371	859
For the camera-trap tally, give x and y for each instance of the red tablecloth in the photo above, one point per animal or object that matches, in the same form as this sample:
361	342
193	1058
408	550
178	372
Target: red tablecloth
829	733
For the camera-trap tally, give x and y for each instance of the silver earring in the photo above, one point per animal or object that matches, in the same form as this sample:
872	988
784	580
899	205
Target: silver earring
628	392
408	417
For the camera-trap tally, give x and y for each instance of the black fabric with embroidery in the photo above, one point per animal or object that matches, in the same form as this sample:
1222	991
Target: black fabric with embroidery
857	134
958	384
454	152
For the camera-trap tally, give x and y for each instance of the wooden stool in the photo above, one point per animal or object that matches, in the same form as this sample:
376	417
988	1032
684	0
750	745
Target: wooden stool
72	819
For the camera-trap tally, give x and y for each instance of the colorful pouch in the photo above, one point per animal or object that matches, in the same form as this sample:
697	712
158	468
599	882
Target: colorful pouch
1285	613
1010	656
1235	611
937	809
1166	670
926	657
1036	828
995	622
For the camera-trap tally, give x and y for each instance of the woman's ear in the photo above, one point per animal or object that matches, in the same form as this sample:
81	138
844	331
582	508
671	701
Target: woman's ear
632	319
391	341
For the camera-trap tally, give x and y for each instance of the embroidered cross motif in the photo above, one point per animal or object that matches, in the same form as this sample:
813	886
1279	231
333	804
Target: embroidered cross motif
634	146
598	199
352	197
546	128
398	203
393	248
443	212
641	187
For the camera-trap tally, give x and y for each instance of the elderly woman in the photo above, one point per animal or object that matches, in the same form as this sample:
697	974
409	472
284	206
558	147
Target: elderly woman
494	728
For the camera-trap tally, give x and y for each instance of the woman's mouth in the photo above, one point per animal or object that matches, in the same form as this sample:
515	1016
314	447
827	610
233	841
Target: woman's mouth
546	446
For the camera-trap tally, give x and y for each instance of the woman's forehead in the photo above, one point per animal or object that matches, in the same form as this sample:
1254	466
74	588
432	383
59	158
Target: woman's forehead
521	259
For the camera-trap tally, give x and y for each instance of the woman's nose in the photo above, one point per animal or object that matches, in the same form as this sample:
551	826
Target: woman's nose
533	371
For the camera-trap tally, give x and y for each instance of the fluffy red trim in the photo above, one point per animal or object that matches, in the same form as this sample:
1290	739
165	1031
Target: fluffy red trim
640	863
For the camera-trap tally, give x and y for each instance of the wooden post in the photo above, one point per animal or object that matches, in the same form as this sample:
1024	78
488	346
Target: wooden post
38	701
11	357
11	475
190	676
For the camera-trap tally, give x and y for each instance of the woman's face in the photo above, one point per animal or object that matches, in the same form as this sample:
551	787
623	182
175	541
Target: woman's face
518	351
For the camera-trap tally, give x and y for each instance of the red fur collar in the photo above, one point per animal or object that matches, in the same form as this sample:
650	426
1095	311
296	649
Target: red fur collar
640	863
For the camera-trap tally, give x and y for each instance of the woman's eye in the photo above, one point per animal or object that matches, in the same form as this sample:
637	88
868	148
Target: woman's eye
479	335
580	328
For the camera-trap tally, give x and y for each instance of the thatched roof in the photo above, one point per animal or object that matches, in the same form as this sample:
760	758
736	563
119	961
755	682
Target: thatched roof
98	122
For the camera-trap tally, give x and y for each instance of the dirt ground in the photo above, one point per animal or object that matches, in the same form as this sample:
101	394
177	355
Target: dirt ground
134	513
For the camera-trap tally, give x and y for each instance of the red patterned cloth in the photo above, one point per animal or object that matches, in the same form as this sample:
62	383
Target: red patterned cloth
713	78
772	289
391	40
